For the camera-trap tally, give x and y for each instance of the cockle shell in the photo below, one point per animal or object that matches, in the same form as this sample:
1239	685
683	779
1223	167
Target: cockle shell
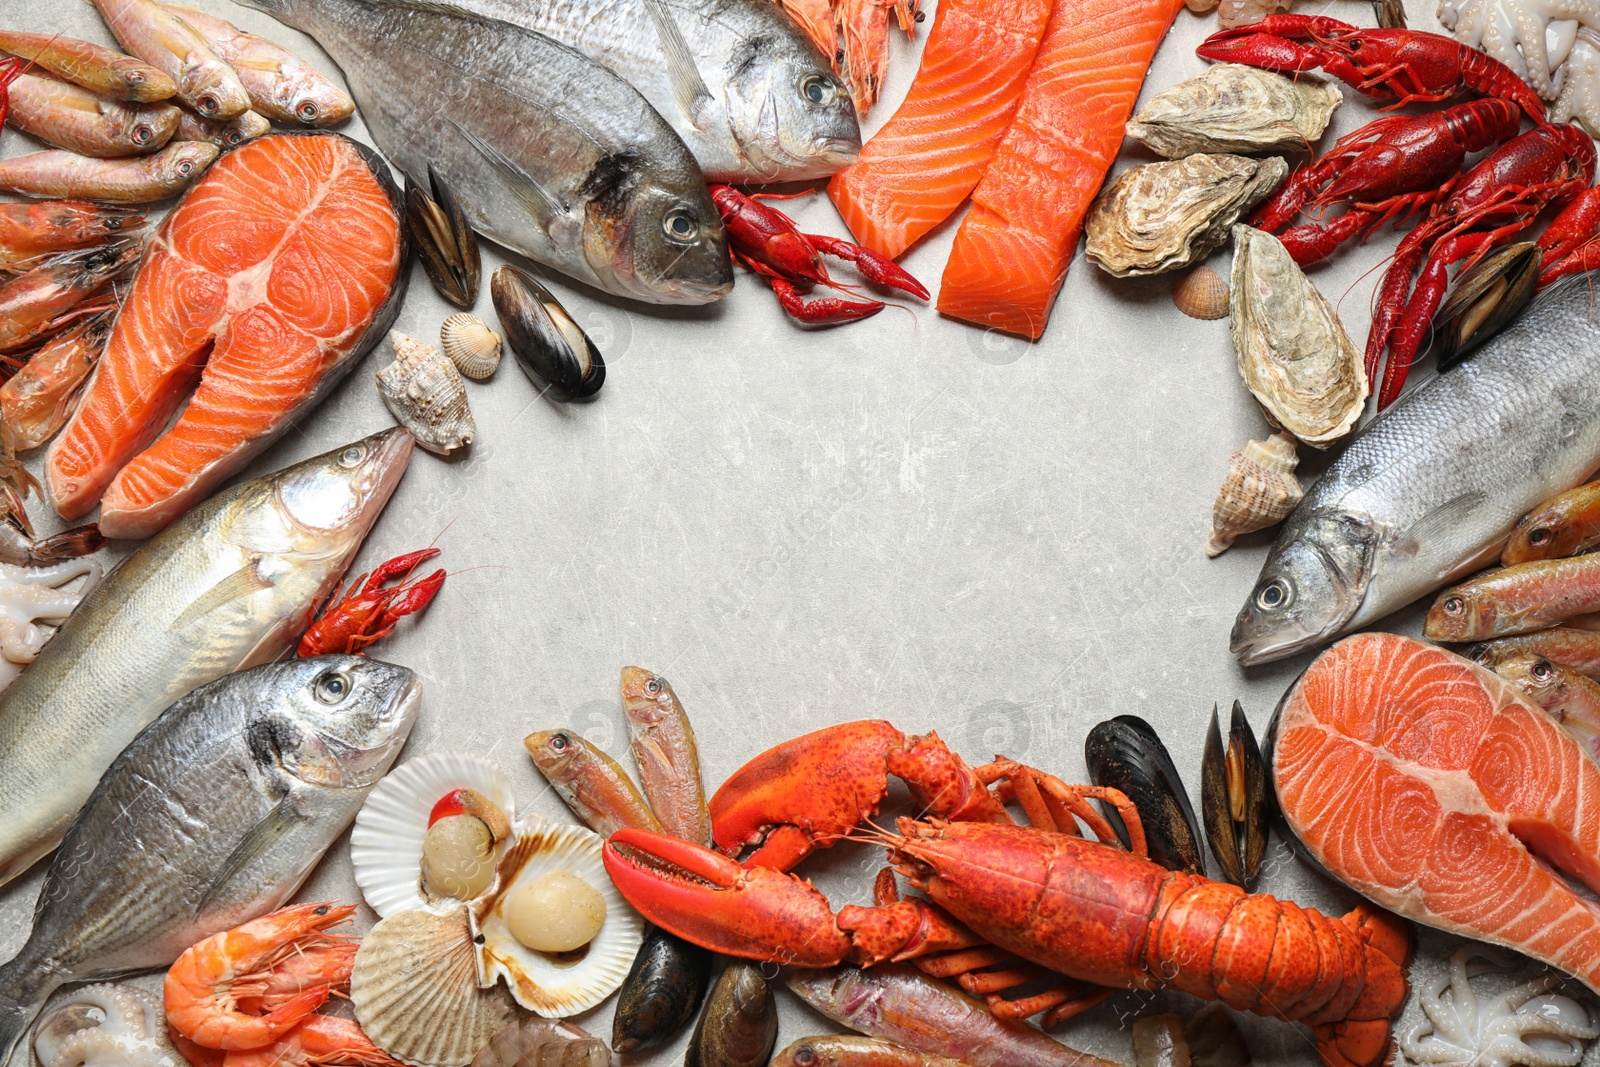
1260	490
1164	216
1292	350
426	394
1234	108
468	342
1201	294
416	993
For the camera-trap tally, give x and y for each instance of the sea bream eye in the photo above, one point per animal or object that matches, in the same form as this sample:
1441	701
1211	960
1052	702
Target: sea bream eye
680	225
331	688
815	88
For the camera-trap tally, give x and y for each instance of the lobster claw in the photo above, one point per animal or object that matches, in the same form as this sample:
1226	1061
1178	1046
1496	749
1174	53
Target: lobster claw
703	897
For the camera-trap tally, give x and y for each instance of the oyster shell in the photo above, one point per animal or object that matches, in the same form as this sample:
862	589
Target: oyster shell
386	844
549	984
1163	216
1293	352
1260	490
425	393
1201	294
415	989
468	342
1234	108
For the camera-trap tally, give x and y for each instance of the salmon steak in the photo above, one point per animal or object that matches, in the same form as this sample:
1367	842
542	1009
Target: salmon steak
919	168
279	268
1013	249
1433	788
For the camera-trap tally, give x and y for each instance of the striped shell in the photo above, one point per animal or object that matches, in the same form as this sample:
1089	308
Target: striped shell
415	989
1201	294
1260	490
425	393
471	345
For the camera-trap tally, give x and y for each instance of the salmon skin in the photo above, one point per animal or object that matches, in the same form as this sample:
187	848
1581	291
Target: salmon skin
272	275
1013	249
1434	788
919	168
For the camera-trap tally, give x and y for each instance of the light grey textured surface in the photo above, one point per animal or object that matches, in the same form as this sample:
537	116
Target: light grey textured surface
905	518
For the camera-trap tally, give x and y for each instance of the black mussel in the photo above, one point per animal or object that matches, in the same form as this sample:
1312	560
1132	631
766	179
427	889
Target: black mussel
1391	14
739	1025
661	992
1125	753
550	347
1214	1039
1233	798
1484	300
444	240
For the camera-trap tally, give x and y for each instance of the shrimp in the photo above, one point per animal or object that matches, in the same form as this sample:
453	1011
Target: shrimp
317	966
318	1039
28	232
204	987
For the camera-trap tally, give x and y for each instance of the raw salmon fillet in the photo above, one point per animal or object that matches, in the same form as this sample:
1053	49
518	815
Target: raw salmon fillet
922	164
1013	249
273	273
1430	786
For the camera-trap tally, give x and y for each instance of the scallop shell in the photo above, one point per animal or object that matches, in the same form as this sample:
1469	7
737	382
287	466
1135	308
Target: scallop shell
416	993
1201	294
1260	490
1234	108
1165	216
425	393
1292	350
386	844
549	985
470	344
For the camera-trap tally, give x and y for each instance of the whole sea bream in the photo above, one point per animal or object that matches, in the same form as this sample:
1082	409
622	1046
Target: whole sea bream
231	584
1433	488
212	816
549	153
742	84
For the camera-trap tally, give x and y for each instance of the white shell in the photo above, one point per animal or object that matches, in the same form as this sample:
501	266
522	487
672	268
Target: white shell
426	394
551	986
416	993
471	345
386	844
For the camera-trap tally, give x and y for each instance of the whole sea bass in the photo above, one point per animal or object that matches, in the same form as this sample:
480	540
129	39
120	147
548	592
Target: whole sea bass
548	152
742	84
213	816
229	585
1433	488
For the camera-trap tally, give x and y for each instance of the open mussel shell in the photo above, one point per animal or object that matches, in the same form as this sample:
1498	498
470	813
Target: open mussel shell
550	347
1484	300
1233	798
444	241
1124	753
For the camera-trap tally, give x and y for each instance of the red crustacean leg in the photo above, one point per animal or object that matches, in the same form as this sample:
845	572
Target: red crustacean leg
1275	43
1569	243
397	604
398	567
873	266
10	69
823	311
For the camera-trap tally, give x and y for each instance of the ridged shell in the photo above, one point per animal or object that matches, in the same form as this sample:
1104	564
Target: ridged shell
1260	490
1201	294
416	993
426	394
1292	350
386	844
1234	108
535	1042
549	985
1165	216
468	342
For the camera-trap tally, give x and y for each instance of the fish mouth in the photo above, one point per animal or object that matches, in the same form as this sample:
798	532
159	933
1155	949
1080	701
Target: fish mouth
1253	651
838	150
389	464
693	291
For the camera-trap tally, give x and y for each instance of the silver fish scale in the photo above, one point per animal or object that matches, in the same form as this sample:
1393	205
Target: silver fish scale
1444	475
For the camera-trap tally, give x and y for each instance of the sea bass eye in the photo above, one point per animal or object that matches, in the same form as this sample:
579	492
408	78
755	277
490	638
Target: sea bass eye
1274	595
680	225
352	455
815	88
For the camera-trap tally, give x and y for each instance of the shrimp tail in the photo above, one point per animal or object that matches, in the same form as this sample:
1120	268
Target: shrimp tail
69	544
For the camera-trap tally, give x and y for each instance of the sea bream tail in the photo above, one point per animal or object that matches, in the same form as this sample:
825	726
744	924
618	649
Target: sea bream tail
22	994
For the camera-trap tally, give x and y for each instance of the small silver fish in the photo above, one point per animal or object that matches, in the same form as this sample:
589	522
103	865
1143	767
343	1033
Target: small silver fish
1434	487
548	153
212	816
231	584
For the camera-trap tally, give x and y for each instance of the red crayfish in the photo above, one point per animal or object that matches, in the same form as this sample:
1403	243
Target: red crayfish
1006	905
767	241
1395	166
369	609
1410	65
1497	198
1569	244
